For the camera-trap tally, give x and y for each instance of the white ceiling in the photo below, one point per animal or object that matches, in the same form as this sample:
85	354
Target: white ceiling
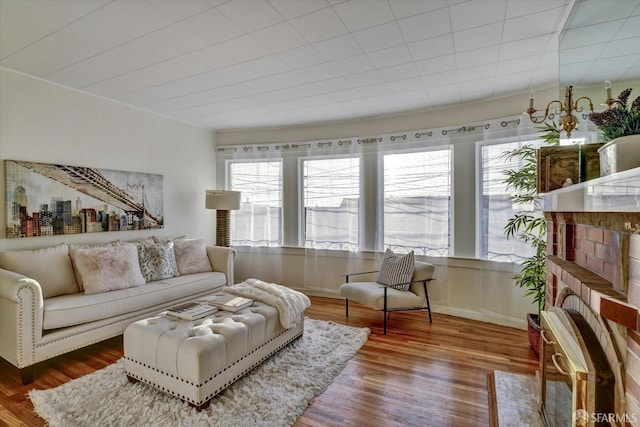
237	64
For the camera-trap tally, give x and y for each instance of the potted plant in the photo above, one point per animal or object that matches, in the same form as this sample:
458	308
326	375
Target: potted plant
530	226
620	126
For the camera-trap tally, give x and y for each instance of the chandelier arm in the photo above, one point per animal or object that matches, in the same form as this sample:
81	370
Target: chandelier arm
546	112
579	109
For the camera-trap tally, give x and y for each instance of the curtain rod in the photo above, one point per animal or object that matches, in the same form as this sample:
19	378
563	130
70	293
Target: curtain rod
499	125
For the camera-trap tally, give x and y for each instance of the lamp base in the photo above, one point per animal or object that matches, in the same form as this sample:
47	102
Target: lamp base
223	228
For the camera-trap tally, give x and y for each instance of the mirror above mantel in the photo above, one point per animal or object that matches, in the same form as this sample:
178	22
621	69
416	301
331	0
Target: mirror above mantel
600	41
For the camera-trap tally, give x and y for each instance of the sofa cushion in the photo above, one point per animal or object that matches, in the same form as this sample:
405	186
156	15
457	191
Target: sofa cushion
51	267
157	261
72	254
371	294
69	310
109	268
396	270
191	256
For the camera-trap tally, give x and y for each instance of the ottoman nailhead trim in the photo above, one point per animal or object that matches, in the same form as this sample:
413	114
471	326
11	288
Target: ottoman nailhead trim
221	388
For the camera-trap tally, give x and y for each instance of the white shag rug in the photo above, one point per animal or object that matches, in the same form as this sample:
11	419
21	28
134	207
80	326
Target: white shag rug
275	393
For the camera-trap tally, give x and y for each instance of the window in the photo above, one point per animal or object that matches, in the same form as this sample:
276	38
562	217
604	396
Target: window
417	201
259	220
331	203
497	207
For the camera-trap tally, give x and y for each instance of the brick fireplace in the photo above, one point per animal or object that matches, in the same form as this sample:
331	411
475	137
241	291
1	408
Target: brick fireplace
593	267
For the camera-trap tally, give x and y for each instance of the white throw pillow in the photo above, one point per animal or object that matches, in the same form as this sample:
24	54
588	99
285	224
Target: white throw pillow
397	270
51	267
72	254
163	239
191	256
157	261
108	268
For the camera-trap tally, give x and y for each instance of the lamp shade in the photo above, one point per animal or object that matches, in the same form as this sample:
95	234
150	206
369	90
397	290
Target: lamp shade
222	200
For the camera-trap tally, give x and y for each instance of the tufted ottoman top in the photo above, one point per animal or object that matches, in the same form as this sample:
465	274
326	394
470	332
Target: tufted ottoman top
195	350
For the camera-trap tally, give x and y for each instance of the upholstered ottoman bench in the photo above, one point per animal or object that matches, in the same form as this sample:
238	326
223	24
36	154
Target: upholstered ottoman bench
196	360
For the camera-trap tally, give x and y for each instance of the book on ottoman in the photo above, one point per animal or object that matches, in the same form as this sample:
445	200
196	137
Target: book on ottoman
191	310
227	302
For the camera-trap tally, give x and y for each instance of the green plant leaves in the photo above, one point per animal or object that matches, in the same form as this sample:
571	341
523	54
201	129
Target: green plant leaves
530	227
619	120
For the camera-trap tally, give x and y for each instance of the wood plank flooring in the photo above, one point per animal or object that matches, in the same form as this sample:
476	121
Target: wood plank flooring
419	374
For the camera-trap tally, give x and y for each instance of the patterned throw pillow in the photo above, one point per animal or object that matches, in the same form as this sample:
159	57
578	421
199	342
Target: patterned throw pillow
157	261
396	270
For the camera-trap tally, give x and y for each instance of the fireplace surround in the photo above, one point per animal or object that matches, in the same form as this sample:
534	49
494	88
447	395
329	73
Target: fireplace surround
575	378
593	268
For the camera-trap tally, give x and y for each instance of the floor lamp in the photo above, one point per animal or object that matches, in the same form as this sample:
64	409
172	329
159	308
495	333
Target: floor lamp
223	202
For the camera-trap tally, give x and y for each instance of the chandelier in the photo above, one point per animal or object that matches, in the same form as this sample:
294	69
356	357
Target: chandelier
568	121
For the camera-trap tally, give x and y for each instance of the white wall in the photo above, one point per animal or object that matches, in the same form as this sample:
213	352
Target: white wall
45	123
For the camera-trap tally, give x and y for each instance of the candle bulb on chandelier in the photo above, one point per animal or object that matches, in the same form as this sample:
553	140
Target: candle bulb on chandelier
531	110
607	86
531	94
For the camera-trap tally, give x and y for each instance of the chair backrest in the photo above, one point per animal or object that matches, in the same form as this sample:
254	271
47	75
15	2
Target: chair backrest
422	271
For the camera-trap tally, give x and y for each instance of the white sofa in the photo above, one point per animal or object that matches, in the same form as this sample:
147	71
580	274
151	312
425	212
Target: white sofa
45	312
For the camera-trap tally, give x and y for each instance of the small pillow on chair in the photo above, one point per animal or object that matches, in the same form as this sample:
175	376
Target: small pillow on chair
396	270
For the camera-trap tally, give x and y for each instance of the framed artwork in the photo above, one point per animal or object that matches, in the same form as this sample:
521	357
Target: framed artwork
560	166
48	199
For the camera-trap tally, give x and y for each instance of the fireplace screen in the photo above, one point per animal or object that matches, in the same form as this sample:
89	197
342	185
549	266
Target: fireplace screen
576	383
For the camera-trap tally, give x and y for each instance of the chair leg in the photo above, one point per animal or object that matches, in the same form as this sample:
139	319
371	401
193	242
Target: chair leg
346	306
385	323
426	294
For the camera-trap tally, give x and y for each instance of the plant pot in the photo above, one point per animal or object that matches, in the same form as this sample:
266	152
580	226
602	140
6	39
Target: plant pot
619	155
533	330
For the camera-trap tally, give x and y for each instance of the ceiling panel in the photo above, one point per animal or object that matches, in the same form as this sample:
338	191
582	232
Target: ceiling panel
43	18
475	14
139	53
379	37
226	64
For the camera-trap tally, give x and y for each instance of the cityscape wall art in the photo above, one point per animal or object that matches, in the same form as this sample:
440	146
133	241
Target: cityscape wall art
49	199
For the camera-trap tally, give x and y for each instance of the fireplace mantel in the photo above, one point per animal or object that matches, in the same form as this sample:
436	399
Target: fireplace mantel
619	192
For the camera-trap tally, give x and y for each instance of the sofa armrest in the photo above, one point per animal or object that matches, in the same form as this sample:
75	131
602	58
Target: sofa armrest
222	260
21	307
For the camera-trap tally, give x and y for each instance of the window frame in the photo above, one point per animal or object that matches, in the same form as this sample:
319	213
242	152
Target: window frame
381	187
228	186
302	221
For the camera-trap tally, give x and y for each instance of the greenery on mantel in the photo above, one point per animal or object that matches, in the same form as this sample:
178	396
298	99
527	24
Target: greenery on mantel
620	120
529	226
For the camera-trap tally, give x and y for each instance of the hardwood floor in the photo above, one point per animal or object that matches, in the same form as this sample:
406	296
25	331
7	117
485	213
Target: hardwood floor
419	374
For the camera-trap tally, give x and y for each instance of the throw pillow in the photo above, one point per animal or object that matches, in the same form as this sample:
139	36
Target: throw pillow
72	254
396	270
145	241
108	268
157	261
163	239
51	267
191	256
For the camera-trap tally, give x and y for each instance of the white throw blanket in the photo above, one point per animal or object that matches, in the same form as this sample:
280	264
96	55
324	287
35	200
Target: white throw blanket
290	304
